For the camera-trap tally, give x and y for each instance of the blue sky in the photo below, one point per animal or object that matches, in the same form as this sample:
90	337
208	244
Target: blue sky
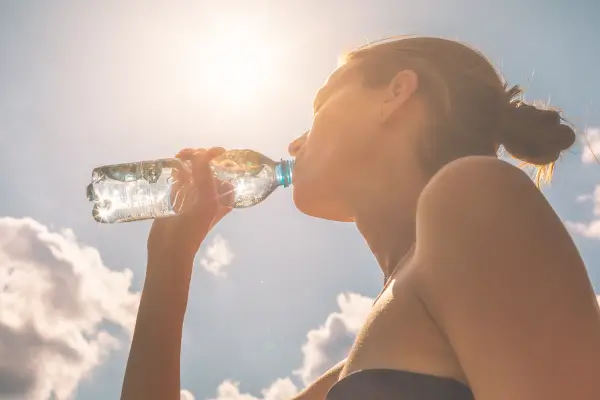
87	83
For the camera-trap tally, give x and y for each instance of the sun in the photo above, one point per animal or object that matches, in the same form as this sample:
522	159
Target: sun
238	61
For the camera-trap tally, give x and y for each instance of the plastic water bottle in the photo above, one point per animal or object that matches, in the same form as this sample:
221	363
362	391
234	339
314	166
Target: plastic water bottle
164	187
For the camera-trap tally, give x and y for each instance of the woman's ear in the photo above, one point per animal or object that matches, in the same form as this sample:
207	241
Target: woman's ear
398	92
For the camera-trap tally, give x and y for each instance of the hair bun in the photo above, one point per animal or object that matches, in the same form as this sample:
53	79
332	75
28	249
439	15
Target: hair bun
536	136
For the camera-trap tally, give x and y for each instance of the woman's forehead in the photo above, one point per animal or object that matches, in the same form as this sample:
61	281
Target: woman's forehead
341	76
345	71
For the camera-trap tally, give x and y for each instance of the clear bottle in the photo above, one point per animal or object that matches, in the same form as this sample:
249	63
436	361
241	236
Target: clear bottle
163	188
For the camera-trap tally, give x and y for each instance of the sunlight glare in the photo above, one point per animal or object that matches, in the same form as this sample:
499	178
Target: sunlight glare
238	61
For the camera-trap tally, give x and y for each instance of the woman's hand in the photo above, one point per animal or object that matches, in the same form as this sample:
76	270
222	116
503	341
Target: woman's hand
203	201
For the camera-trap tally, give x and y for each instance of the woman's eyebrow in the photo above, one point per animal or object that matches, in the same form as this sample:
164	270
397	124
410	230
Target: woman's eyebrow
334	80
324	92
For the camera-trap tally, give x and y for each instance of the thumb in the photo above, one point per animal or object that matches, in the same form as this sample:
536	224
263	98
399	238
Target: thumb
203	178
225	193
226	196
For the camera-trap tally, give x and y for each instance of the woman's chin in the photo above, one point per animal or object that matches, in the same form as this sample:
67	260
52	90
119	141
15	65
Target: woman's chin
314	205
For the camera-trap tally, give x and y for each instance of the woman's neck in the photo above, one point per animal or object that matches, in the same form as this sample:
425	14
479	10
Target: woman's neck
388	224
385	208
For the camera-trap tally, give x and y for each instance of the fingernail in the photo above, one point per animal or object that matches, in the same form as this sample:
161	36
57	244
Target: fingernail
200	162
184	152
201	153
216	151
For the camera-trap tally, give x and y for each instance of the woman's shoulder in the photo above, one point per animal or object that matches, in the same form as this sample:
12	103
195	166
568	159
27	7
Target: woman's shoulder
481	221
481	174
500	275
478	207
482	188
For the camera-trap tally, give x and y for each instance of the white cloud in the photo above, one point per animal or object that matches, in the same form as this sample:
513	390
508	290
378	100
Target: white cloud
589	229
55	296
325	347
330	343
281	389
583	198
186	395
217	255
591	146
597	201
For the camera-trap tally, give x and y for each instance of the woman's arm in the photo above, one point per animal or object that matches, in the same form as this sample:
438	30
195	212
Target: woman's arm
319	388
152	371
153	367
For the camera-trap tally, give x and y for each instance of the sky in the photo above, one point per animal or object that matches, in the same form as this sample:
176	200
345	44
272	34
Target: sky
276	297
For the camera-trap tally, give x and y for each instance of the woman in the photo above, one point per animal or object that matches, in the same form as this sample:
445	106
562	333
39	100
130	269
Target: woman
485	297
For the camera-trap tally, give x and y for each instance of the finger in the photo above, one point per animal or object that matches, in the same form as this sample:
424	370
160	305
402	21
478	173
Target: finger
221	212
185	153
180	188
203	176
178	194
215	151
180	174
225	193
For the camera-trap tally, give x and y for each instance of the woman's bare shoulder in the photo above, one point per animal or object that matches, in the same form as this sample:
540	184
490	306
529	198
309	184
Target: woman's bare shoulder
479	212
481	174
503	279
477	192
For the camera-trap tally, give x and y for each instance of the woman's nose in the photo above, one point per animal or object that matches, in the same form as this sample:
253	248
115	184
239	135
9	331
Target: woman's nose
297	144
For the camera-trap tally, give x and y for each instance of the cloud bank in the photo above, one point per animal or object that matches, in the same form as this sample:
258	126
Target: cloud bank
186	395
281	389
331	342
591	146
325	346
56	300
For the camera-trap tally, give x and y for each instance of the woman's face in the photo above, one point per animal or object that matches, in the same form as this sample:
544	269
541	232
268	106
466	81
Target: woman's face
333	157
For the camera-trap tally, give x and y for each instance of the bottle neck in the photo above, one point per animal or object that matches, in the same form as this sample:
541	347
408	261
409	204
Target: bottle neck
283	173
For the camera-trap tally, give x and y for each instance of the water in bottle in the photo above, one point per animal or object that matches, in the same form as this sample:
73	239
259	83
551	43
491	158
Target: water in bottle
164	187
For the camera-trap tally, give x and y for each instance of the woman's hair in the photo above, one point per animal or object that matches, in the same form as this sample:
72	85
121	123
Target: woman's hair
474	110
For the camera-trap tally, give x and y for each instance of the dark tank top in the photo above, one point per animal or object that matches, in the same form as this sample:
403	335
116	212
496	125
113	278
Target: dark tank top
390	384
